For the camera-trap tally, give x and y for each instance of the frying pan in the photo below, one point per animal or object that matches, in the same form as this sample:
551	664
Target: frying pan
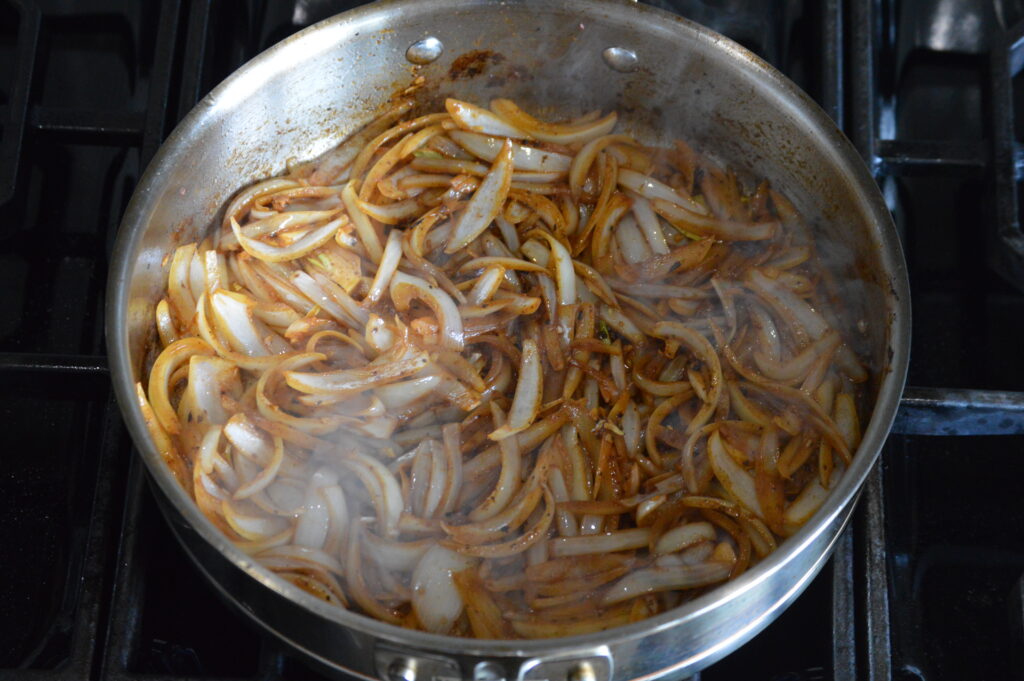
668	78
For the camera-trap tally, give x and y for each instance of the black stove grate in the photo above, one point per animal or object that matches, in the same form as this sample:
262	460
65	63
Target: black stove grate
925	584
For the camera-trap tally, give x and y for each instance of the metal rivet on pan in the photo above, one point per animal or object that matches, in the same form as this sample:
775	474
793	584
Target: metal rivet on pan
582	671
424	51
488	671
402	670
620	59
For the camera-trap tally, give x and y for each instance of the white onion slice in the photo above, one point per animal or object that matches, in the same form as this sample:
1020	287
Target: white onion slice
486	202
523	158
620	540
397	556
234	318
387	266
647	221
684	536
435	599
564	272
582	162
309	241
312	288
179	286
167	362
364	228
526	401
806	503
389	503
405	287
559	133
348	381
313	525
471	117
693	223
245	198
632	244
649	188
403	393
737	481
486	285
657	579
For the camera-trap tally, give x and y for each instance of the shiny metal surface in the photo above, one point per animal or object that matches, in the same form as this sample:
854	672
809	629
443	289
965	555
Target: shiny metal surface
303	96
948	411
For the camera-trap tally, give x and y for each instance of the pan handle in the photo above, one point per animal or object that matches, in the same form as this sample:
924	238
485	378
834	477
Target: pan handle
405	664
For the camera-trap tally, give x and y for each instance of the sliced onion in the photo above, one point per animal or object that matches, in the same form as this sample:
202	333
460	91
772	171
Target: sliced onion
846	419
523	158
376	475
805	505
285	224
648	223
391	213
704	351
364	228
179	286
244	199
387	266
331	166
504	262
530	536
435	599
800	364
653	190
403	393
170	359
657	579
486	202
486	285
397	556
405	287
685	536
806	319
738	482
631	243
559	133
564	272
235	320
309	241
314	524
691	222
526	402
471	117
348	381
620	540
340	306
378	334
622	324
582	162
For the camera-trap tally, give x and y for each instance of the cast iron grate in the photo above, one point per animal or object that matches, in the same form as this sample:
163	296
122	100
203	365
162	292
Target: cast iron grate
97	589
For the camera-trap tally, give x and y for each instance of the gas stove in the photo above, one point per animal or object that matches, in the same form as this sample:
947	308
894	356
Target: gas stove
926	583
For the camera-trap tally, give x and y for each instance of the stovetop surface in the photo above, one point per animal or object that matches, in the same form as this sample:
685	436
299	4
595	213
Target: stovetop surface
924	585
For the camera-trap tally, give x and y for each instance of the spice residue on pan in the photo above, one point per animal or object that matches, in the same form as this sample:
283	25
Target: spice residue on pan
472	64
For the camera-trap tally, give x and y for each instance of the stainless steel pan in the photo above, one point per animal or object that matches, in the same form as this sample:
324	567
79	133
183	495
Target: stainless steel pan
669	78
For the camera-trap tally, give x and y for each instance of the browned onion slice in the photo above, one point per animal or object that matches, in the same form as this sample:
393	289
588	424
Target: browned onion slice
486	202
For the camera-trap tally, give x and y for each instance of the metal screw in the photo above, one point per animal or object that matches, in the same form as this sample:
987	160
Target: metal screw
582	671
425	51
620	59
402	670
488	671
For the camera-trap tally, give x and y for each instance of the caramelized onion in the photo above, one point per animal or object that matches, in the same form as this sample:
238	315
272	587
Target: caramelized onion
457	374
